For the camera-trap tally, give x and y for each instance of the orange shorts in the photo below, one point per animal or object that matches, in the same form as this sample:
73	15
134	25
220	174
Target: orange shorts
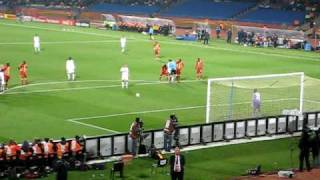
6	78
199	71
23	75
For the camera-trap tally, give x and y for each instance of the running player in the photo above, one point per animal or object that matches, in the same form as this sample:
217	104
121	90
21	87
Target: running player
199	69
123	43
156	49
6	69
164	72
71	69
36	43
124	70
23	72
180	66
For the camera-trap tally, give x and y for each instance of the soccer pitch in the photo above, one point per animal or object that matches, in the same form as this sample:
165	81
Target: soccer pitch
95	104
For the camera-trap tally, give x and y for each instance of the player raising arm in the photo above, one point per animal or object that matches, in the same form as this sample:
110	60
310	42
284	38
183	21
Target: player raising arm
124	70
23	72
199	69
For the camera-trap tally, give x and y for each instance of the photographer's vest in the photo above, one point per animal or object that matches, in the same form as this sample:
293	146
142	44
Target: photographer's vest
2	154
37	150
75	146
62	149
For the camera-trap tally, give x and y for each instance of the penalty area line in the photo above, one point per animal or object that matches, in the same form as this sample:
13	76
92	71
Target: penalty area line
143	83
93	126
133	113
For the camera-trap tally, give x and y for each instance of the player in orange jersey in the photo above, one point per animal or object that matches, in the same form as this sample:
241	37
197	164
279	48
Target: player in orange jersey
156	49
6	69
23	72
180	66
164	72
199	69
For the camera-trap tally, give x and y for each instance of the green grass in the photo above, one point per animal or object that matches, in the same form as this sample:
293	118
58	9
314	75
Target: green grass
43	110
217	163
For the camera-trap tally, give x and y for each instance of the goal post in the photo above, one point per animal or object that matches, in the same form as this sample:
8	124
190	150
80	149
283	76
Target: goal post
254	96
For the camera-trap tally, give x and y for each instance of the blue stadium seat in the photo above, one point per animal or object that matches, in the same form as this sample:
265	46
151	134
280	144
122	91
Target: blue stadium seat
127	9
275	16
207	9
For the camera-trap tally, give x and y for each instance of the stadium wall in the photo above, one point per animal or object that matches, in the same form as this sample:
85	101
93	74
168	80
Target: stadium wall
201	134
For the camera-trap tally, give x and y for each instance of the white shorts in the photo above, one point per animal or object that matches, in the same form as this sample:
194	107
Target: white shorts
36	45
70	71
125	78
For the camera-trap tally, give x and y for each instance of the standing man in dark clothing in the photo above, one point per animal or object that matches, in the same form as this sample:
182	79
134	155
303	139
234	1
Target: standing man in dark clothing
206	38
304	147
218	30
229	36
314	142
61	167
177	163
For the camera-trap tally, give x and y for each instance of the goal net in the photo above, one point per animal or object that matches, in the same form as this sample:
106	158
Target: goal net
254	96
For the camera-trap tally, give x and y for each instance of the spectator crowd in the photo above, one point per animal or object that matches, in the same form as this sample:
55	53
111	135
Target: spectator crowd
40	157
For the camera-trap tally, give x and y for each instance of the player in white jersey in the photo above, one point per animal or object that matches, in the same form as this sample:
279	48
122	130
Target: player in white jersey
36	43
123	43
256	102
71	69
124	76
2	80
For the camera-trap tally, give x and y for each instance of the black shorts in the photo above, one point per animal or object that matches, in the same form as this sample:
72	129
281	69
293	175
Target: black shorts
173	72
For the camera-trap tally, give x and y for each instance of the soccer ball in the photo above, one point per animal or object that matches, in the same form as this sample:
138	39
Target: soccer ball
137	94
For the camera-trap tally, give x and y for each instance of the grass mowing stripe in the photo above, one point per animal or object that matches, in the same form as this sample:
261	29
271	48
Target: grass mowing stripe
168	109
175	43
93	87
138	112
62	42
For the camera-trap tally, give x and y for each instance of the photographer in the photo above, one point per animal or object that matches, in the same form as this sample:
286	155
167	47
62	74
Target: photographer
135	132
170	127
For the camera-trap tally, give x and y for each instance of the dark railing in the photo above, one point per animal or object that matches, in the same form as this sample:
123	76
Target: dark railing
112	145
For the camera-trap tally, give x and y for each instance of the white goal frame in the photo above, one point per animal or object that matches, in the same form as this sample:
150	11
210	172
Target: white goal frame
210	81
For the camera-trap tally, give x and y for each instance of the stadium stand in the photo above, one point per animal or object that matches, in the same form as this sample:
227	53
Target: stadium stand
207	9
125	8
277	16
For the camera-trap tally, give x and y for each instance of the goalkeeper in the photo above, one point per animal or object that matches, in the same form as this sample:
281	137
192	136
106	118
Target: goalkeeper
256	103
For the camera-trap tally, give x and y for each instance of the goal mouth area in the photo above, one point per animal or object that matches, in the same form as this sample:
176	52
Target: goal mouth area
245	97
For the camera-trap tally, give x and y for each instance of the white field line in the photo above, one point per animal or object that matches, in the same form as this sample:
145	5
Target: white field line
94	87
69	82
171	109
175	43
311	101
94	126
